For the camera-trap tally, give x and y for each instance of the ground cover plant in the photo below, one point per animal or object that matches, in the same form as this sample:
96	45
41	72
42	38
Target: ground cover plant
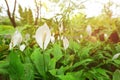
64	59
66	46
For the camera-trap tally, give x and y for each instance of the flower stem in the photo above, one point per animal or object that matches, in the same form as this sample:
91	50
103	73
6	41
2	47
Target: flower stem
65	58
44	66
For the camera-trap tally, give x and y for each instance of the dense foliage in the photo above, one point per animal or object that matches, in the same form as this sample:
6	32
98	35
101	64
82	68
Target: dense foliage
80	61
64	47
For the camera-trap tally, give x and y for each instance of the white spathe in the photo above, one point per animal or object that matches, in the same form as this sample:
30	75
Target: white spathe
106	36
89	30
81	36
43	36
65	43
22	47
52	39
116	56
16	39
61	37
58	38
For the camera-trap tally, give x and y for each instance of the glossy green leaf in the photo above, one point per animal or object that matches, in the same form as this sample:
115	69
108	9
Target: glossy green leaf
3	67
83	62
16	68
29	73
57	53
41	61
68	77
116	75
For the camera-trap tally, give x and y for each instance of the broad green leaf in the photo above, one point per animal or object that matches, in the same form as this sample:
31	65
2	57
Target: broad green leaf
3	71
85	52
16	68
3	67
3	47
100	74
68	77
116	75
27	53
53	72
4	64
74	46
61	70
37	59
29	73
83	62
77	75
41	61
117	62
52	64
97	74
57	53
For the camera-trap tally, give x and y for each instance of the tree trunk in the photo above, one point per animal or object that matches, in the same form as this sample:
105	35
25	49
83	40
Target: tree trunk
11	16
12	19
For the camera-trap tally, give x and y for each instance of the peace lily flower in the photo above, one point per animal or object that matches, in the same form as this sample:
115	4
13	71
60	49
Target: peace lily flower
52	39
65	43
61	37
81	36
106	36
16	39
116	56
78	40
43	36
89	30
22	47
58	38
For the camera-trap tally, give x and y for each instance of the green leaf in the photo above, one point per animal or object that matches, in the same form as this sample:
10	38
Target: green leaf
57	53
3	71
15	69
3	64
67	77
40	61
85	52
117	62
3	67
116	75
74	46
3	47
61	70
29	73
83	62
102	72
37	59
53	72
77	75
52	64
